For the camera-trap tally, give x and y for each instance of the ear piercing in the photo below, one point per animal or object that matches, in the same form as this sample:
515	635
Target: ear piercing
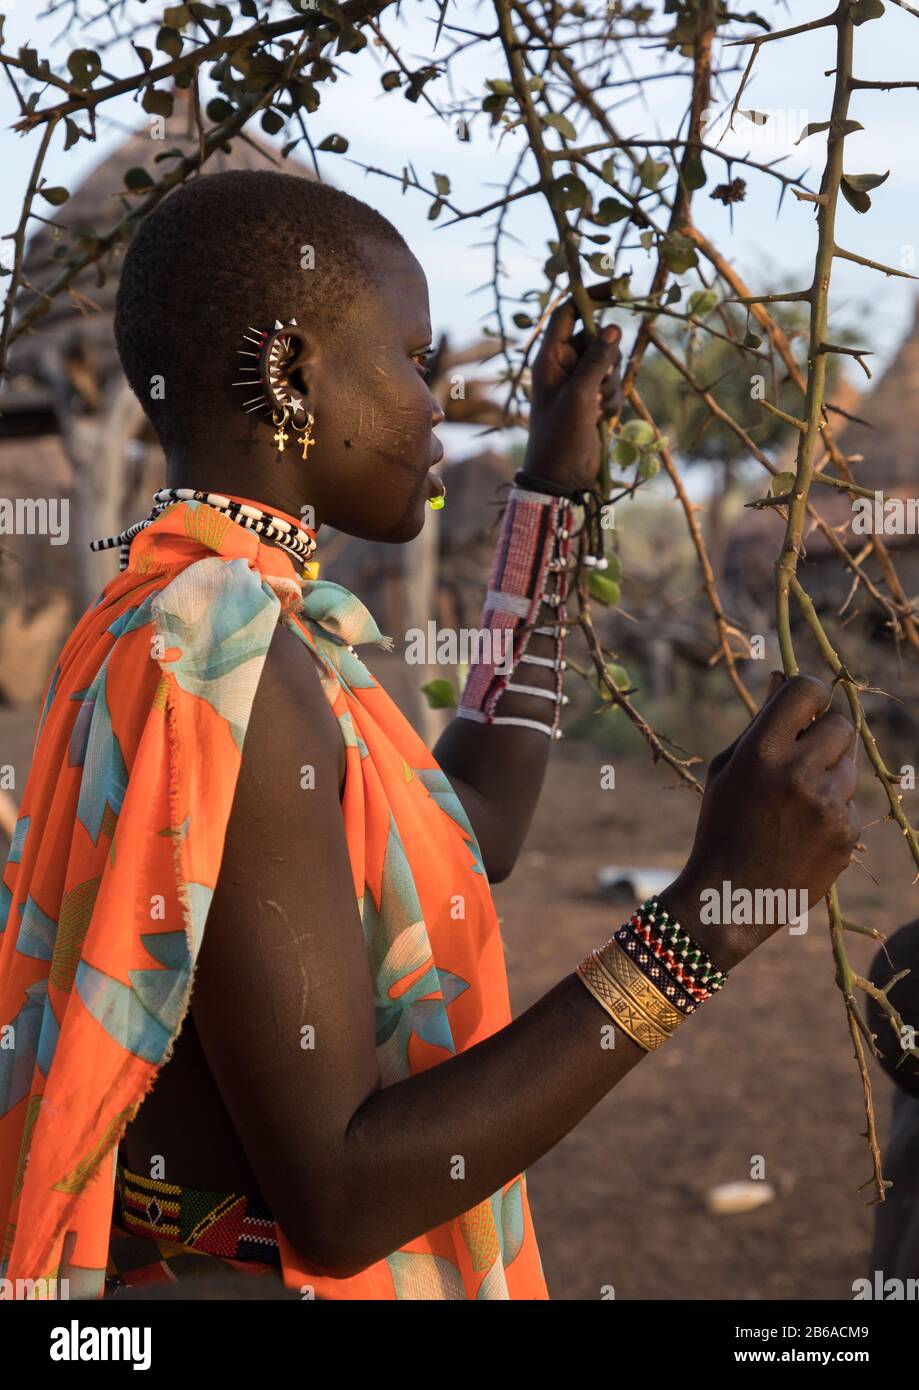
440	501
269	351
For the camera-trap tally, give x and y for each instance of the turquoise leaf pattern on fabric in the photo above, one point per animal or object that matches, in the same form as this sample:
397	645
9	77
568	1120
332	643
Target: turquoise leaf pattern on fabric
132	618
441	789
338	621
37	932
508	1213
221	616
17	1064
398	946
121	1011
46	704
18	842
94	746
422	1276
47	1039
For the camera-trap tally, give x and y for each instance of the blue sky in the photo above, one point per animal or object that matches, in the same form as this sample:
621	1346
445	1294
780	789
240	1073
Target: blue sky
384	130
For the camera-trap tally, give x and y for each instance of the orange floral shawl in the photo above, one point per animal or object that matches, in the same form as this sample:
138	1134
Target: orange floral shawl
135	762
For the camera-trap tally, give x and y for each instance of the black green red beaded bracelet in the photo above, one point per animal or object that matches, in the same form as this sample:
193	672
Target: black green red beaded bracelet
653	914
694	969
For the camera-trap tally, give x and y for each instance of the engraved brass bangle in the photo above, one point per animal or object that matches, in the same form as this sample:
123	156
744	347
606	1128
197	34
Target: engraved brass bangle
617	1002
645	995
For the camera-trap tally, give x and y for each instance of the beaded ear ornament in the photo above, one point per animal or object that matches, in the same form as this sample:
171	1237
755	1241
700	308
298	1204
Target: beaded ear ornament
271	351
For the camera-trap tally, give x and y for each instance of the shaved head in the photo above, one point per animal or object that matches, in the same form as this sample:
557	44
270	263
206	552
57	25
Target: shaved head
226	252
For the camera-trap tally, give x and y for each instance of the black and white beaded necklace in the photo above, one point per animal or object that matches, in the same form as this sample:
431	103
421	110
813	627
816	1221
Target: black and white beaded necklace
298	543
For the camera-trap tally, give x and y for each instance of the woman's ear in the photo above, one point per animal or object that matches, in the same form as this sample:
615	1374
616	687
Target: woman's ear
287	369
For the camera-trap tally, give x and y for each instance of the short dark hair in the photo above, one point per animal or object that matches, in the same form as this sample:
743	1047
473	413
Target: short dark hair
900	953
224	252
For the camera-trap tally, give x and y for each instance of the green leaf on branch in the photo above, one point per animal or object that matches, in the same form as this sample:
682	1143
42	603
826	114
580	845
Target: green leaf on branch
571	191
701	302
782	484
55	196
651	171
335	144
494	105
144	54
440	694
523	321
751	340
625	453
435	209
272	122
351	40
85	65
391	80
864	10
812	128
73	133
613	567
855	188
674	294
619	677
694	175
603	589
176	16
442	184
169	40
610	210
600	262
218	110
500	86
560	123
679	253
840	128
158	103
865	182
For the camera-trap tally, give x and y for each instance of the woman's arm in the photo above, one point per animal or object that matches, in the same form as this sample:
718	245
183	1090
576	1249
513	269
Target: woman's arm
497	768
352	1171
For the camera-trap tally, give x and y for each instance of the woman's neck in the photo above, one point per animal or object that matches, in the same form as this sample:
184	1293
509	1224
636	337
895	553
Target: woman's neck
271	483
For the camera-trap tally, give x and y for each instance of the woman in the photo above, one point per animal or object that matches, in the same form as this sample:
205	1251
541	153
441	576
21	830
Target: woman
348	1106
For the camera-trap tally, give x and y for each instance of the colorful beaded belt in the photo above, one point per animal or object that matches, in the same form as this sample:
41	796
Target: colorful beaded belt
211	1223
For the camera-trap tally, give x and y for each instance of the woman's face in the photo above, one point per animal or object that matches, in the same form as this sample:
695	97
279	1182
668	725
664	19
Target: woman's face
369	470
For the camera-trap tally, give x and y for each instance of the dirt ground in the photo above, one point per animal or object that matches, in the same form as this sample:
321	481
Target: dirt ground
765	1069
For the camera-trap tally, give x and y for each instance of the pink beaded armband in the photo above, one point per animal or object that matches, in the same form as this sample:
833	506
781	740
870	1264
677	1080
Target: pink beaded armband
531	568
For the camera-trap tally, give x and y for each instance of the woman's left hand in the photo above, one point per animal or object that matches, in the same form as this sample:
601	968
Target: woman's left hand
576	384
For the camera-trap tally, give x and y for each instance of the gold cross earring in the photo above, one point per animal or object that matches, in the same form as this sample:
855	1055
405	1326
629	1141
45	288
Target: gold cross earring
305	437
280	436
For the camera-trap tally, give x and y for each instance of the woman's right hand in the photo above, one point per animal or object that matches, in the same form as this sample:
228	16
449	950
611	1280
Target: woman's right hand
777	815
